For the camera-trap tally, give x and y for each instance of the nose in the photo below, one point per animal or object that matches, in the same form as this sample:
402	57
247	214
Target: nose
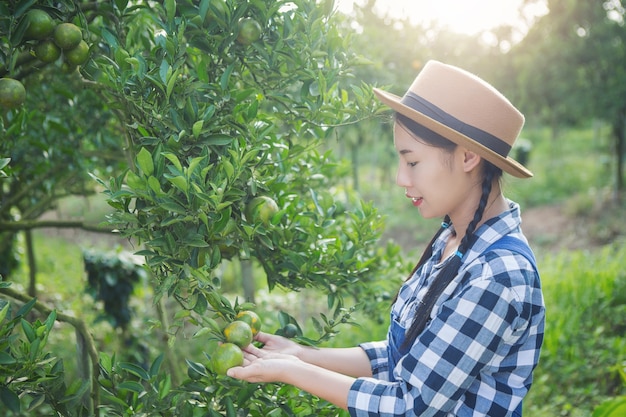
402	179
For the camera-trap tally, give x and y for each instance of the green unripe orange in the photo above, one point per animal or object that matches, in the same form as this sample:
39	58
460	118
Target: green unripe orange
226	356
252	319
12	93
78	55
40	24
239	333
67	36
47	51
290	330
249	31
261	208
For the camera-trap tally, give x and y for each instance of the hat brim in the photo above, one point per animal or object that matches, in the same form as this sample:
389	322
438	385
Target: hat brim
508	164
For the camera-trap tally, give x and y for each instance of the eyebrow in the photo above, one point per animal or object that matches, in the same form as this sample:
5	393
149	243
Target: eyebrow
404	151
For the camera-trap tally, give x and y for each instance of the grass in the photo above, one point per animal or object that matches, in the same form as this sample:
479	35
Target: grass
584	343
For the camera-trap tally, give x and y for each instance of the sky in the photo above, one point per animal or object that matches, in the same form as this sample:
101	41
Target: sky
461	16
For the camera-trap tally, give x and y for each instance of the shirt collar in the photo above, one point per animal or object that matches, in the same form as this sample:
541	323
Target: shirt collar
507	222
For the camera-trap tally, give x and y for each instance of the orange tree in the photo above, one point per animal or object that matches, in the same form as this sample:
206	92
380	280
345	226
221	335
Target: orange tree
214	103
216	115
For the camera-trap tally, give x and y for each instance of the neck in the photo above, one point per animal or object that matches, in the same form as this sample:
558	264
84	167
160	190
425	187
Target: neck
496	204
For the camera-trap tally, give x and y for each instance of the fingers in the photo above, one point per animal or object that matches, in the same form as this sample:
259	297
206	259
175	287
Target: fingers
263	337
253	350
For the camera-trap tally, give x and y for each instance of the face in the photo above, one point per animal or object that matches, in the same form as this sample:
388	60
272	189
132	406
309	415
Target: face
436	180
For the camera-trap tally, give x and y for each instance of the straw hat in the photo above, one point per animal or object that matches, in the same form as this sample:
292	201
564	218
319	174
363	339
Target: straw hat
464	109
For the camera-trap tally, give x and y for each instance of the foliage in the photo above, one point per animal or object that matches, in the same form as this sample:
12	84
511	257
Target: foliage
62	132
613	407
31	378
584	332
212	124
209	119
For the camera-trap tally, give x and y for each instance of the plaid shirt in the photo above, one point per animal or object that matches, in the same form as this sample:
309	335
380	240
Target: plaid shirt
476	355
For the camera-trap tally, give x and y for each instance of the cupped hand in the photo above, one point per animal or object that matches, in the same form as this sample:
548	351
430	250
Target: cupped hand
278	344
262	365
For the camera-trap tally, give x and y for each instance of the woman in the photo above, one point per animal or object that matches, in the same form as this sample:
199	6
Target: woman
467	325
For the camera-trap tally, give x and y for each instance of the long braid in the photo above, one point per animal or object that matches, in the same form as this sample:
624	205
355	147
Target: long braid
428	252
450	270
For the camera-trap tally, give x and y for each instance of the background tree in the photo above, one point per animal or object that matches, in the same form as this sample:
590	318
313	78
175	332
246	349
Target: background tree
576	50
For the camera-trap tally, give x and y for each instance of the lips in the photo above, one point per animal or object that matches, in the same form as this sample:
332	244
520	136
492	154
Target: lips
417	201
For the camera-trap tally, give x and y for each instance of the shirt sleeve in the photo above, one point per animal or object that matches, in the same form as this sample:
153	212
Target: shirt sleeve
458	344
379	360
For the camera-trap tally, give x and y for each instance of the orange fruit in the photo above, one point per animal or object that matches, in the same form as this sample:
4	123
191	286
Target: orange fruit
78	55
197	372
290	330
261	208
249	31
40	24
67	36
239	333
47	51
226	356
252	319
12	93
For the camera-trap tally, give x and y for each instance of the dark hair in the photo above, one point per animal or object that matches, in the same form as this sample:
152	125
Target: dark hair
451	268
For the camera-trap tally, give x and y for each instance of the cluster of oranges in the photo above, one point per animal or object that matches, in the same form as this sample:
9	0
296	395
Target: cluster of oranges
237	335
54	39
48	40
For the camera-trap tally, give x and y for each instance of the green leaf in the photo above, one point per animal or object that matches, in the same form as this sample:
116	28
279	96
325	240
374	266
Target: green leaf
4	162
6	359
36	402
170	10
9	399
26	308
174	160
135	370
121	4
134	181
226	76
171	82
154	185
28	331
615	407
195	130
145	163
132	386
219	140
3	312
180	182
193	165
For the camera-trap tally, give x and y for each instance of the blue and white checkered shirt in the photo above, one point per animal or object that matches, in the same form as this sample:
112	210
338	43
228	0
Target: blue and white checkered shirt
476	355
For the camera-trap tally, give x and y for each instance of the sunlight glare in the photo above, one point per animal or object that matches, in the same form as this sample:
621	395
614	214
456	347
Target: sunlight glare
461	16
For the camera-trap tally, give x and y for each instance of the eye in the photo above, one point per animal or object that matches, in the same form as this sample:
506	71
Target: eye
411	164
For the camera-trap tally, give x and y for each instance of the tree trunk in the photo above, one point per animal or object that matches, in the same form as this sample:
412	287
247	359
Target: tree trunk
247	280
619	129
32	264
354	155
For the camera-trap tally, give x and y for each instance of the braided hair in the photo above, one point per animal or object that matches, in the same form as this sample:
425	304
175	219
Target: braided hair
451	268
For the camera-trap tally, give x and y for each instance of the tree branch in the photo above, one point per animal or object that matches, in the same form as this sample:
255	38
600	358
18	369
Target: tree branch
59	224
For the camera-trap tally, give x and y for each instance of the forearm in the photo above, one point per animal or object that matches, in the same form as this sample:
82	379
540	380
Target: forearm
323	383
347	361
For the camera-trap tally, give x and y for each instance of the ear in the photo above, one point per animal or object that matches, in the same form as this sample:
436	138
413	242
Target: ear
471	160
